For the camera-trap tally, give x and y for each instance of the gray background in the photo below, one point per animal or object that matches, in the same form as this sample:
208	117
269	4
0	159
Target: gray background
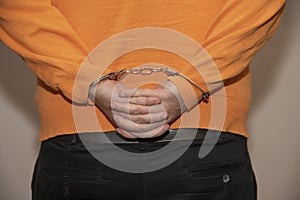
274	120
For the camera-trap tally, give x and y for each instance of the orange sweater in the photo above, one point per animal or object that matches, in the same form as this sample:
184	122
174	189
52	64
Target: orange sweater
54	37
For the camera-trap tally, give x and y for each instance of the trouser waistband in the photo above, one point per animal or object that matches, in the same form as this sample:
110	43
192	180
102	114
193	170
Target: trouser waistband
170	135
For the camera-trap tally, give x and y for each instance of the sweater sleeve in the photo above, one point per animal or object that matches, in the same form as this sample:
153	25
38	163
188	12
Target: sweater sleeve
46	41
234	37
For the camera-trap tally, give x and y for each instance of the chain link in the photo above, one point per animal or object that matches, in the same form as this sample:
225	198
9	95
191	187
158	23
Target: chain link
150	70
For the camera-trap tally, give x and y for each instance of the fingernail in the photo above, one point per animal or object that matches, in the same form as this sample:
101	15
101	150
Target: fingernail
112	104
167	127
165	115
157	101
123	93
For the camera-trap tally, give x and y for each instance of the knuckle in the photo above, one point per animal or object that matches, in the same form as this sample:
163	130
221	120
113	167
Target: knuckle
151	101
138	119
143	119
144	101
148	119
135	111
135	101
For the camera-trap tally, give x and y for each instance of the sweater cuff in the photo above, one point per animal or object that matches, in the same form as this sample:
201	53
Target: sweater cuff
77	87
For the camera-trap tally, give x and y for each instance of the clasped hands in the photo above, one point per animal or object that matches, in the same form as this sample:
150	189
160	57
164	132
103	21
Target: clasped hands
139	113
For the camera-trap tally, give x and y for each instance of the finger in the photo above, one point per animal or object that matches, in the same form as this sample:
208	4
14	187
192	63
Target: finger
128	108
131	126
145	119
140	92
145	101
155	132
165	128
134	109
149	134
125	134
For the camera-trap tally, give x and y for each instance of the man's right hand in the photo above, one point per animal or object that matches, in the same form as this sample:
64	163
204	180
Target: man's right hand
148	121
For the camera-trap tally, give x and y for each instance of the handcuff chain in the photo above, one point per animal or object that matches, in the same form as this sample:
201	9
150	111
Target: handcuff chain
149	70
168	71
119	75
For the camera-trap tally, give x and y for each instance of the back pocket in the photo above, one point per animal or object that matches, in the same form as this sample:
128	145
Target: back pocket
73	174
216	169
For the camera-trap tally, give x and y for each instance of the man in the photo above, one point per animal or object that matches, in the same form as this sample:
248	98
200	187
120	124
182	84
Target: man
55	39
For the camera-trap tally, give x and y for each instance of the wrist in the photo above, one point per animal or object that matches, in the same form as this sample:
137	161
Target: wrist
101	89
169	84
191	96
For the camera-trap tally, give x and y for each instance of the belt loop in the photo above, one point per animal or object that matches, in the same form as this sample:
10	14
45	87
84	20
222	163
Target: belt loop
74	139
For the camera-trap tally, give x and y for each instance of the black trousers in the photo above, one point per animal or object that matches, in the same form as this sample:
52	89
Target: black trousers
66	170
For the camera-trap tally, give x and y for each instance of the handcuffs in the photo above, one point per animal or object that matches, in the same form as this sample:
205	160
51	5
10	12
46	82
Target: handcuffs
121	74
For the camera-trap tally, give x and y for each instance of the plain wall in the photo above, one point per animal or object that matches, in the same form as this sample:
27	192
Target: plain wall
274	120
